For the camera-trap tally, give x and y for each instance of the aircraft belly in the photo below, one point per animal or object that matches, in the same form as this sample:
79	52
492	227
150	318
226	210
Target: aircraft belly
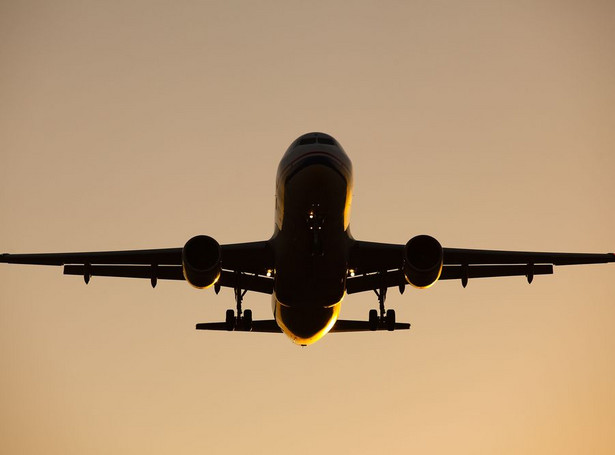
310	253
310	250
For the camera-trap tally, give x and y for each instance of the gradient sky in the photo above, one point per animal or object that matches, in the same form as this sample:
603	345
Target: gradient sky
138	124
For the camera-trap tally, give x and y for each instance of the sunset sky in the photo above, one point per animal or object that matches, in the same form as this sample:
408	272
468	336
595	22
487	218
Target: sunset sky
139	124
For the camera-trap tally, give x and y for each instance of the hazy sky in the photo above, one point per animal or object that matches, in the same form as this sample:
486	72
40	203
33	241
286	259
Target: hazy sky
138	124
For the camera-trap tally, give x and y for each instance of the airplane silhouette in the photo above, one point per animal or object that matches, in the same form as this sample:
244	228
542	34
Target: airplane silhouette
311	261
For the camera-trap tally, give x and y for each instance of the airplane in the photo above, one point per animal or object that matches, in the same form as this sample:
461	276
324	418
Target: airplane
311	261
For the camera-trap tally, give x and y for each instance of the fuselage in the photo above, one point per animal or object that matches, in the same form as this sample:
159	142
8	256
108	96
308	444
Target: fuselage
311	238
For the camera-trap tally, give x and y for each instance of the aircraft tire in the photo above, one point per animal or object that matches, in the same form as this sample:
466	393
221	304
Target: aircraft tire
247	320
390	320
373	320
230	320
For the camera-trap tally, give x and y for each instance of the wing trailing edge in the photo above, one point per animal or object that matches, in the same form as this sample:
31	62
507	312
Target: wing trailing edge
228	278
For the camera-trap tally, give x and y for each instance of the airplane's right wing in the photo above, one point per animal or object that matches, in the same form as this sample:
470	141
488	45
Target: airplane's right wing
378	265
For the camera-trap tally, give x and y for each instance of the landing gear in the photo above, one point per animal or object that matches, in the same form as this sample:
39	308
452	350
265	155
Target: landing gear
386	318
243	321
247	320
390	320
230	320
374	320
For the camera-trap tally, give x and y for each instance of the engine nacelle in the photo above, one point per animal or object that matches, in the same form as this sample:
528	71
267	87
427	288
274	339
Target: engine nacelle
201	259
422	261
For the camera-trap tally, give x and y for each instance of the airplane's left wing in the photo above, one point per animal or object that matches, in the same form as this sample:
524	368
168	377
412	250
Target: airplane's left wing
242	265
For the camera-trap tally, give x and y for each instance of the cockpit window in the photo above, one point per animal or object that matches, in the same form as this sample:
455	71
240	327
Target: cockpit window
314	138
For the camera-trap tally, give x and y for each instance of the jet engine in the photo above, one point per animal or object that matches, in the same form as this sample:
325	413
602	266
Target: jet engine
422	261
201	257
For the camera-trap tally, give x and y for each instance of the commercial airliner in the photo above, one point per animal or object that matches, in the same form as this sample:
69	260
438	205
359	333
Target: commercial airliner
311	261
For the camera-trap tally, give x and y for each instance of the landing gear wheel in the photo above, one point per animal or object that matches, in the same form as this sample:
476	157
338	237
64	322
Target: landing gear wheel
390	320
373	320
230	320
247	320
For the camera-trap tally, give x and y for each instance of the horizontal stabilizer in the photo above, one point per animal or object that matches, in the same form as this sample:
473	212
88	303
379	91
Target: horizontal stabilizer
270	326
264	326
363	326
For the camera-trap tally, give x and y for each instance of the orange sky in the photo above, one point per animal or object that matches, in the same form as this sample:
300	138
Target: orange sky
139	124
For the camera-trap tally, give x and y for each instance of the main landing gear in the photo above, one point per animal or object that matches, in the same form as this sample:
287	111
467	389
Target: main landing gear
386	318
243	320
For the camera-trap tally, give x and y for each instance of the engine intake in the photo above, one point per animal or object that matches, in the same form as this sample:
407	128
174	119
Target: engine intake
422	261
201	259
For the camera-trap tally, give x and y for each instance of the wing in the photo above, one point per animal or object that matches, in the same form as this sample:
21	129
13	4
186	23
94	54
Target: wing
244	265
380	265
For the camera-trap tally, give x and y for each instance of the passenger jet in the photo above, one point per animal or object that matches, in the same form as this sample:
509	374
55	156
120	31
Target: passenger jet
311	261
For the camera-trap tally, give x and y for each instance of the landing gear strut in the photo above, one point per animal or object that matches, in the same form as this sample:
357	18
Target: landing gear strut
386	318
243	320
